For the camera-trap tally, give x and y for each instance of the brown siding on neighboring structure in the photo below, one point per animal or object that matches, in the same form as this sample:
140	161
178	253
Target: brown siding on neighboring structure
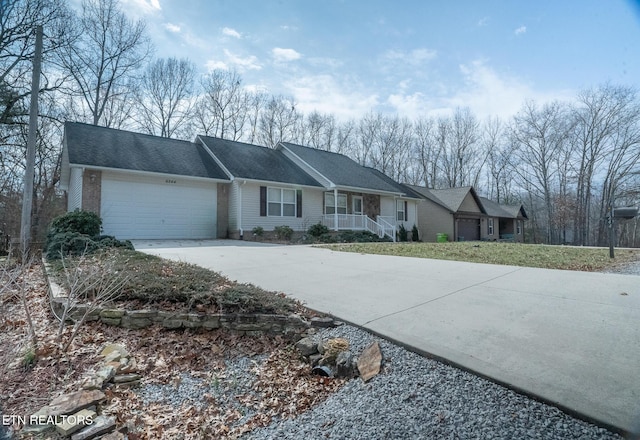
433	219
91	190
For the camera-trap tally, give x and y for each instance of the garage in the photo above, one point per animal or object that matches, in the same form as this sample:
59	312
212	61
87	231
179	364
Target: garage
154	207
468	229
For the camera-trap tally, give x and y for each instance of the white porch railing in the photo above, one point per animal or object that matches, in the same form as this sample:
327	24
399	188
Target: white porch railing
357	222
388	224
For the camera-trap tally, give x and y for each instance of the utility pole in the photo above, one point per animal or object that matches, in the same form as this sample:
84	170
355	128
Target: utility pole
27	198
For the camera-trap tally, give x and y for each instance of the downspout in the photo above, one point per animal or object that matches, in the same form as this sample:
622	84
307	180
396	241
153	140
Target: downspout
240	209
395	216
335	210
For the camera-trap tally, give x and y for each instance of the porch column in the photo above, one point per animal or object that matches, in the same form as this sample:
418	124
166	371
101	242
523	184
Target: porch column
335	210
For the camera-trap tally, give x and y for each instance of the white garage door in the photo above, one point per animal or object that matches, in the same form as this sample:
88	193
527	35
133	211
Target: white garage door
155	207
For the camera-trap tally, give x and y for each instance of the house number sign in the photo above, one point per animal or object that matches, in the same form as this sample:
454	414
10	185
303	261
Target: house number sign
170	181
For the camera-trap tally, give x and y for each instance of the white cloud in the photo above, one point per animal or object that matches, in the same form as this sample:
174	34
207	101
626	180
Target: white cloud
414	57
229	32
488	93
411	106
141	7
172	28
483	22
283	55
521	30
216	64
233	61
344	98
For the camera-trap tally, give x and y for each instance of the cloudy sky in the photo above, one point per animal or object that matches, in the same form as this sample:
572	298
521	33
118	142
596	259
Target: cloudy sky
419	57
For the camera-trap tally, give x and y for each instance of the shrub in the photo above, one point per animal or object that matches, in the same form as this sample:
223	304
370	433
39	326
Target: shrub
283	232
317	230
258	231
82	222
359	237
106	241
415	235
68	243
402	233
77	233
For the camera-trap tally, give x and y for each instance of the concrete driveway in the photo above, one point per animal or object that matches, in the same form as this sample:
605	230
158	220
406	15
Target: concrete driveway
571	338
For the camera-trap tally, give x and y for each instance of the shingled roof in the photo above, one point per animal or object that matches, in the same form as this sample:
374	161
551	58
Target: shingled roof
507	211
248	161
449	198
341	170
95	146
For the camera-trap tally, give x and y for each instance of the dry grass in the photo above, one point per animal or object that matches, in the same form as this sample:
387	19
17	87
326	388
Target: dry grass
516	254
153	281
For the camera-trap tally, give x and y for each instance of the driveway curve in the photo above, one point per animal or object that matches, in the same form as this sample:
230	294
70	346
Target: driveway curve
569	338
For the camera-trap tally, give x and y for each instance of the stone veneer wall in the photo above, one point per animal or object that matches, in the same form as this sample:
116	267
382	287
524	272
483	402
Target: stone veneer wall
247	324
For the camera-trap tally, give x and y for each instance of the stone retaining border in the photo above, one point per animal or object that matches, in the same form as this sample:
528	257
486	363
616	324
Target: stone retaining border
255	324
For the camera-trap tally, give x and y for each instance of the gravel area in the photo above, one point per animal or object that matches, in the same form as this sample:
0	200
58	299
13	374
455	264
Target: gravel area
627	269
415	397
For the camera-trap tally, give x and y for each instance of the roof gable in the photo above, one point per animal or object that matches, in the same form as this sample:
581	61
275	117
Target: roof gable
340	170
454	199
247	161
102	147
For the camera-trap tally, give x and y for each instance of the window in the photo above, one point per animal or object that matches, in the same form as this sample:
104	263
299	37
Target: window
401	210
330	203
490	226
519	227
281	202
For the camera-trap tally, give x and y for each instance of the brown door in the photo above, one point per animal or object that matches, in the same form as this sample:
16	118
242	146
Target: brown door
468	229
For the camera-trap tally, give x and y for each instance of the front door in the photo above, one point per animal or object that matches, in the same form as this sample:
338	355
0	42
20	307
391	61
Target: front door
356	205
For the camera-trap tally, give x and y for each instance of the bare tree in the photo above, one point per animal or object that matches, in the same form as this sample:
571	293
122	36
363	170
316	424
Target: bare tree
462	158
278	120
255	104
539	137
605	136
426	152
499	164
317	130
223	108
164	97
103	60
18	19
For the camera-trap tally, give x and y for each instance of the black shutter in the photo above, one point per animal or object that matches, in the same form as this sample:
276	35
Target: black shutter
406	211
299	203
263	201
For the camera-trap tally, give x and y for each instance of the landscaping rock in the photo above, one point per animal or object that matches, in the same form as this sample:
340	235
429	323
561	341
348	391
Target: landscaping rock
315	359
345	365
322	322
307	347
110	348
74	402
106	373
101	425
92	383
369	361
75	422
111	313
112	357
121	378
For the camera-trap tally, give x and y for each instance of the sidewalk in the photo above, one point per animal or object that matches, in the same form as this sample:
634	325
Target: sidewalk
571	338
